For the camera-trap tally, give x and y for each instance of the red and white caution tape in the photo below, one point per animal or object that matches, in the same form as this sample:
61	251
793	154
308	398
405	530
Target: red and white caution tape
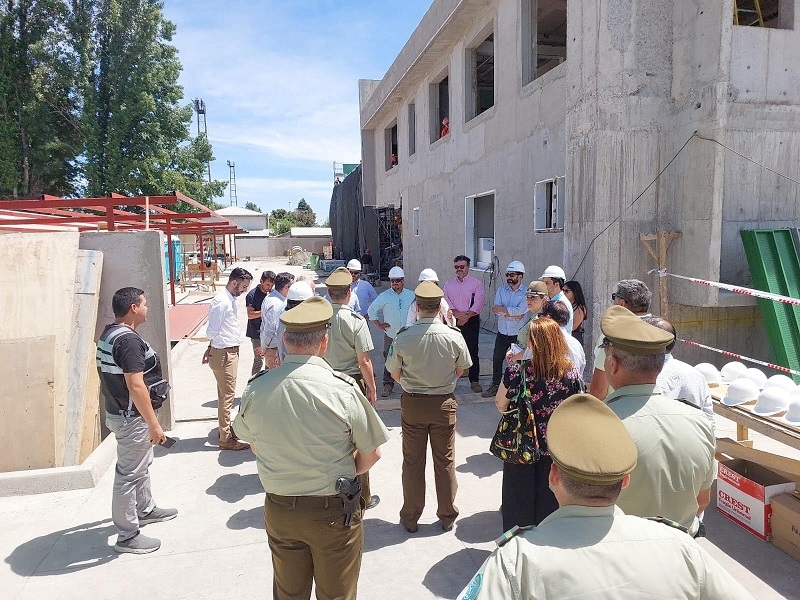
740	357
732	288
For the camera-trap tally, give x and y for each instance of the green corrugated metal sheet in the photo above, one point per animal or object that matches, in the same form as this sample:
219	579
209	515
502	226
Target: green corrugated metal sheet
774	264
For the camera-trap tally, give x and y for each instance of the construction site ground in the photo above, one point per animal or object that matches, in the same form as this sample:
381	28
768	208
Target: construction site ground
59	545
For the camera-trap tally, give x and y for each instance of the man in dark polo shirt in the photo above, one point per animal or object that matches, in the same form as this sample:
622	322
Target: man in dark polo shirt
253	302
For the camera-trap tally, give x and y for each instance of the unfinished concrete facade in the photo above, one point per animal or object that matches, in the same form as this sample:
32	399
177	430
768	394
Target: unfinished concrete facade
635	80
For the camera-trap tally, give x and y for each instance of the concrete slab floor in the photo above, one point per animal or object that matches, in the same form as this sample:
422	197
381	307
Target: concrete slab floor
59	544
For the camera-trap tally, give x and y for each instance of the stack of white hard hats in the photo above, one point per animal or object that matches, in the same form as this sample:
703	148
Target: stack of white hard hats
771	402
741	391
732	370
792	416
756	376
711	373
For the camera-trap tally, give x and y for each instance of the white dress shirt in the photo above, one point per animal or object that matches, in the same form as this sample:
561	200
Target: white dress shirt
223	322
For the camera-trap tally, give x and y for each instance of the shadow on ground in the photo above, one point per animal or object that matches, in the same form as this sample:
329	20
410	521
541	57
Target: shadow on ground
380	534
243	519
74	549
450	575
480	527
233	487
481	465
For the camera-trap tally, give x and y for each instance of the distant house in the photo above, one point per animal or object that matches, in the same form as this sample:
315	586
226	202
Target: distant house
247	219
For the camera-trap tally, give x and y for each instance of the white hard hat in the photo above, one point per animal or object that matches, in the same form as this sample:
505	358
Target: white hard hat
772	401
732	371
554	272
710	372
792	416
757	376
299	291
354	265
740	391
780	381
515	267
396	273
428	275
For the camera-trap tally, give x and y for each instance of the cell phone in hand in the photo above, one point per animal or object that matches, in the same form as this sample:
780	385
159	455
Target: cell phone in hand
168	443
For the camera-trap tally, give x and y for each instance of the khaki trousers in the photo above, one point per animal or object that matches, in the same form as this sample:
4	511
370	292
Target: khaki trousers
309	542
366	492
224	362
425	416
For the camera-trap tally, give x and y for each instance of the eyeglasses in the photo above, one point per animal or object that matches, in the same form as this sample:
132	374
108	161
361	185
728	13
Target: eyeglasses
396	281
355	272
532	296
460	267
513	274
606	343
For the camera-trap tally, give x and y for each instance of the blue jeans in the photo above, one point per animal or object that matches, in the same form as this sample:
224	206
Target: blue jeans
132	495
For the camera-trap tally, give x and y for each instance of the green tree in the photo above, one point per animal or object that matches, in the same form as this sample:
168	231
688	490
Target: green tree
137	133
304	216
40	136
279	213
252	206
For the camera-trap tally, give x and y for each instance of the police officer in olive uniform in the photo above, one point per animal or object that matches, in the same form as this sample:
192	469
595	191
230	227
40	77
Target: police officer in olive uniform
312	431
348	350
426	359
589	548
675	441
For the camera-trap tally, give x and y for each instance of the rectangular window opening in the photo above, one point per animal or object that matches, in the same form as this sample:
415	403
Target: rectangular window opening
480	230
440	108
412	129
390	140
544	37
772	14
415	221
480	78
549	204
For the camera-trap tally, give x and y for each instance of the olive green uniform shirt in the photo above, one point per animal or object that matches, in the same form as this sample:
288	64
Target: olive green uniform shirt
676	446
603	554
348	337
524	333
427	355
304	423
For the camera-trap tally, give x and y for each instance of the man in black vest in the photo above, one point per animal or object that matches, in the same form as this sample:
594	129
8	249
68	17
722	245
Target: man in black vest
130	375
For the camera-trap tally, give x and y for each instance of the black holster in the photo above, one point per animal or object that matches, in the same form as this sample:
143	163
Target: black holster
349	491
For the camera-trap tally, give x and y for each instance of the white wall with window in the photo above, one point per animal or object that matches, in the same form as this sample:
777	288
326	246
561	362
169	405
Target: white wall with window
549	199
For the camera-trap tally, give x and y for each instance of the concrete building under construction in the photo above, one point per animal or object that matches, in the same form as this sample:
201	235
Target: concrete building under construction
561	116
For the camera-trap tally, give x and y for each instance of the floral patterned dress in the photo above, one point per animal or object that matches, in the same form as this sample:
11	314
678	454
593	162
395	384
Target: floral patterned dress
527	498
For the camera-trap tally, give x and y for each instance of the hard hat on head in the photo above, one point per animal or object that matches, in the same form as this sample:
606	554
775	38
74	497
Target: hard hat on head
428	275
396	273
354	265
299	291
515	267
554	272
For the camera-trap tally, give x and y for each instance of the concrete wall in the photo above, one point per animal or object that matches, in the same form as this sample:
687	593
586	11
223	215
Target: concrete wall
262	247
504	151
136	258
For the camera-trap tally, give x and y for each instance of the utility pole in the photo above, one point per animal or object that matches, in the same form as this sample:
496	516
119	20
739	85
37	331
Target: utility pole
232	183
202	125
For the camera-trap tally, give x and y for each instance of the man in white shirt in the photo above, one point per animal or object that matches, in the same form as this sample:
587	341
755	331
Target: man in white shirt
555	278
222	354
271	310
444	315
679	380
558	312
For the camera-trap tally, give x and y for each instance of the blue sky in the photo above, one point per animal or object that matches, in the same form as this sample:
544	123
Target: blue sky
280	83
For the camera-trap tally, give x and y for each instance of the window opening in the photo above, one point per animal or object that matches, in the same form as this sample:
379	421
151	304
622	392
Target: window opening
480	230
412	129
480	74
390	136
544	37
549	204
440	108
415	222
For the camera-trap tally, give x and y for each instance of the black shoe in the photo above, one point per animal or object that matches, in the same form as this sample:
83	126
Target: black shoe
701	531
374	500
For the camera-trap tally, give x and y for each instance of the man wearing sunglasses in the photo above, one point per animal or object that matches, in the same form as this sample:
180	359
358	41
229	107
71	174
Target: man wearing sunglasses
509	308
466	296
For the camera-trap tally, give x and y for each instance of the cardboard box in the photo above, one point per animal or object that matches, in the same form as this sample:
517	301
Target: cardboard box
745	491
786	524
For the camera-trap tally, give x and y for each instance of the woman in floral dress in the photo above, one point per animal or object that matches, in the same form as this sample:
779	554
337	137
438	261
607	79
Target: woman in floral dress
550	378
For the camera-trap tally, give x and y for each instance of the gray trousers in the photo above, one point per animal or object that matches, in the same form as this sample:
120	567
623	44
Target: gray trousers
258	361
132	495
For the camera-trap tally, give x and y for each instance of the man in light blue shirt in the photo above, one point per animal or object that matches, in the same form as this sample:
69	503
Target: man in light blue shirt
360	288
555	278
509	308
388	312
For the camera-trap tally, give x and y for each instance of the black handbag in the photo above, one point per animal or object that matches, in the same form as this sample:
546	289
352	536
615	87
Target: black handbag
516	440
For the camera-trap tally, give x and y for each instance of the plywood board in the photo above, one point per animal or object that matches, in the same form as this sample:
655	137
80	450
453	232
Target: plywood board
37	290
82	378
27	370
